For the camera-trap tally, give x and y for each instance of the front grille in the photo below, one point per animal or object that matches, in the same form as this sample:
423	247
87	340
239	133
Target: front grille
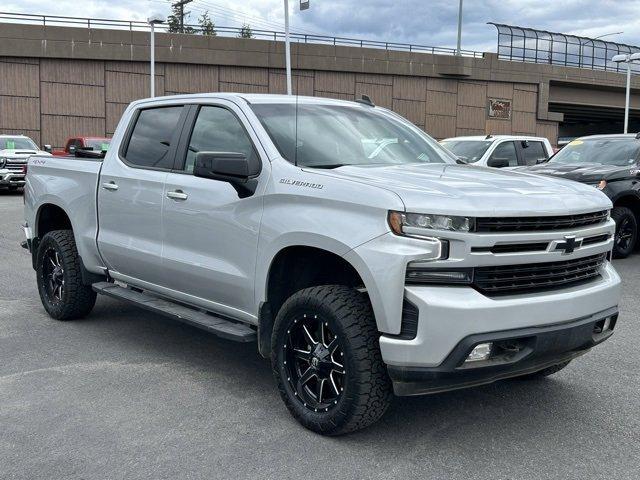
511	279
533	224
15	166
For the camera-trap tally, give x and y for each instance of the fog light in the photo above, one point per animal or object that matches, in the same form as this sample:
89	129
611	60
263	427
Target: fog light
482	351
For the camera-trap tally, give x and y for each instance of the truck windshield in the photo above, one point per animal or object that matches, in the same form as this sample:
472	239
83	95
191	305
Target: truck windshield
603	151
468	150
17	143
330	136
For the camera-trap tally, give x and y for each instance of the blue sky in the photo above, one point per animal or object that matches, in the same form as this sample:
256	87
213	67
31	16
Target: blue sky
424	22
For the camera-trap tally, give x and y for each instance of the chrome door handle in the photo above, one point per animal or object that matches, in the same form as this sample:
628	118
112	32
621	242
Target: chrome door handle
177	195
110	186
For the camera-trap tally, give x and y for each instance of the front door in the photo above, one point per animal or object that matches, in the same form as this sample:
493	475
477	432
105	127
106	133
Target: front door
131	193
210	233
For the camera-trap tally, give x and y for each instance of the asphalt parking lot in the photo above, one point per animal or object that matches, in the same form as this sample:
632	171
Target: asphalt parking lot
126	395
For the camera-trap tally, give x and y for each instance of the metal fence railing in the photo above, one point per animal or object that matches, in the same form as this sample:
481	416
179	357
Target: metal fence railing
79	22
521	44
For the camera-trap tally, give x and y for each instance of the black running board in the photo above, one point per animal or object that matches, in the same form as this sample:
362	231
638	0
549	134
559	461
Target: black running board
224	328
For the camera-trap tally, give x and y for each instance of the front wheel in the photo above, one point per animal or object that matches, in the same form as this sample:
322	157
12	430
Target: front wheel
63	294
326	360
626	234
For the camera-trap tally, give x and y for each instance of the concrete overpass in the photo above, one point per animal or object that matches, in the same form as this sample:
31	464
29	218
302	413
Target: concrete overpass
61	81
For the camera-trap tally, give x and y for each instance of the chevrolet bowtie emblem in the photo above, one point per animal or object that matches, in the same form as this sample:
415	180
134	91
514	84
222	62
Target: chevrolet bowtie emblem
569	244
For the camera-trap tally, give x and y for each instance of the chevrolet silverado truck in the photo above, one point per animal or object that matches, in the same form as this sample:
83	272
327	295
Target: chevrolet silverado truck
338	236
610	163
14	152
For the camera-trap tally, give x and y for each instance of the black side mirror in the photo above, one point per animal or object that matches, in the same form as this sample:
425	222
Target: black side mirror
498	162
229	167
72	149
47	148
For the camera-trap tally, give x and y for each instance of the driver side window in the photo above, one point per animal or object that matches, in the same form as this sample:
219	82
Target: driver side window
218	130
504	155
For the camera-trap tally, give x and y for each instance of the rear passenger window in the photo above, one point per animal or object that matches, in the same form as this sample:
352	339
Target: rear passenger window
218	130
151	137
533	152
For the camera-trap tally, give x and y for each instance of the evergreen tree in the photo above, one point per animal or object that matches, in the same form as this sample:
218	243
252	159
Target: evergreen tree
245	31
207	27
173	20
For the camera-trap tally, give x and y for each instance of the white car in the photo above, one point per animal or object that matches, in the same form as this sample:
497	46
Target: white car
500	150
15	151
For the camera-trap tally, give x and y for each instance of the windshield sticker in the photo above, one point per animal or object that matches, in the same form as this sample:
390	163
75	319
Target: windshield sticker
104	147
11	145
576	142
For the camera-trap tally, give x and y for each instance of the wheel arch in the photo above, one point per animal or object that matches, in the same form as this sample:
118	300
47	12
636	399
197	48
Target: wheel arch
297	266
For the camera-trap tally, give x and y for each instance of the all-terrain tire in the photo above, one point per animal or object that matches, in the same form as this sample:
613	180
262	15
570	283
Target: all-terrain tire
74	299
545	372
626	234
365	390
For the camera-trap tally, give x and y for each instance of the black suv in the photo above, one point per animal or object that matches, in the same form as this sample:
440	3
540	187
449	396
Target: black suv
610	163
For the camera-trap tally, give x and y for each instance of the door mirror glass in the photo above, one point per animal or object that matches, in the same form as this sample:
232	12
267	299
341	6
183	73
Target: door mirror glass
47	148
72	149
230	167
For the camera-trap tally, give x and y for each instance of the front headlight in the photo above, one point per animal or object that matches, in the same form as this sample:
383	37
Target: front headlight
419	224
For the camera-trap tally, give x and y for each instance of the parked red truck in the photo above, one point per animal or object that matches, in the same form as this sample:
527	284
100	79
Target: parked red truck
73	144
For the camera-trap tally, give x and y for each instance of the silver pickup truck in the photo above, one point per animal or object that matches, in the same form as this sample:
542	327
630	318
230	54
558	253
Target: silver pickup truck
346	242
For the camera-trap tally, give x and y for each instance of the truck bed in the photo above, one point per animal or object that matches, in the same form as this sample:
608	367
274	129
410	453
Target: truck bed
71	184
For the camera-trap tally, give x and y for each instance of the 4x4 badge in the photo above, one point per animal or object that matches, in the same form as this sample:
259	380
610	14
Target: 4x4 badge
569	245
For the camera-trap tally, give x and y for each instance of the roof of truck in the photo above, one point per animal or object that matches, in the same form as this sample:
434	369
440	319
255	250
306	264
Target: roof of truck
494	137
254	98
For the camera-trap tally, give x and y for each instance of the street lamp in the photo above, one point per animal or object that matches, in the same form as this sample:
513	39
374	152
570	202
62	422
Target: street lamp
459	49
154	20
627	59
287	46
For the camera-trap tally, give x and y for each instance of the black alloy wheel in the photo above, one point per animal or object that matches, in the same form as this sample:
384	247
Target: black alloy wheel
326	360
626	234
314	363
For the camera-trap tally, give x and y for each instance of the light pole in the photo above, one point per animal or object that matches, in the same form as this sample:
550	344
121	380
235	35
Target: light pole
459	49
627	59
153	20
593	45
287	46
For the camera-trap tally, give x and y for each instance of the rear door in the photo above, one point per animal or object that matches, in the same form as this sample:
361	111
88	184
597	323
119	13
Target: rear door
130	194
210	230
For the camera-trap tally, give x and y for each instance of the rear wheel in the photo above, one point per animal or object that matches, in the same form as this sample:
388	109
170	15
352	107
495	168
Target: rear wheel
626	234
327	362
59	274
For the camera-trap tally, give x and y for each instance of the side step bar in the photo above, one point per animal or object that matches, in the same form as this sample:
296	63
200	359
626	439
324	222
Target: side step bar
216	325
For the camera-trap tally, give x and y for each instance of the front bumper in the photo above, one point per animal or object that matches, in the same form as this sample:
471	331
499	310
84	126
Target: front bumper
11	179
529	350
448	314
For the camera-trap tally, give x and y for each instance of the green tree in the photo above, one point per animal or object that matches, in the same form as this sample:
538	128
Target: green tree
207	27
173	21
245	31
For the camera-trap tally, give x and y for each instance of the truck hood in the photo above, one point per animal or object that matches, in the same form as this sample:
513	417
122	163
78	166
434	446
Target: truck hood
23	153
584	172
477	191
